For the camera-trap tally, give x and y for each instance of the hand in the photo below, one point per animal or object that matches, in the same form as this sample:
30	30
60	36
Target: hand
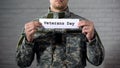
30	29
87	29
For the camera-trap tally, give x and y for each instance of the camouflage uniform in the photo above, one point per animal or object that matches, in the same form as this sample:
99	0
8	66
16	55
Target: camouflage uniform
60	49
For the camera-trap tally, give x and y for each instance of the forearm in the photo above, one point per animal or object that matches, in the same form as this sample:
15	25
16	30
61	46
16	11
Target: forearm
24	53
95	51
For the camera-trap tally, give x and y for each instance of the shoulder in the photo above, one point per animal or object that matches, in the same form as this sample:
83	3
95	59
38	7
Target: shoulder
73	15
43	16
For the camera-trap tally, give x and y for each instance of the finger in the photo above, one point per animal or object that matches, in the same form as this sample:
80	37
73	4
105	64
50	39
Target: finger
80	24
84	23
27	31
88	35
32	32
37	24
29	25
86	32
30	29
85	29
30	35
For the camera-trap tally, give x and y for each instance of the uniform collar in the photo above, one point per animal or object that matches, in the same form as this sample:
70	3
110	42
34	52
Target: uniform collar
64	14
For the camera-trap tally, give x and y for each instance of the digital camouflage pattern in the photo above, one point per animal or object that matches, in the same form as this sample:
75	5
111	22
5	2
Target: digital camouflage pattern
56	49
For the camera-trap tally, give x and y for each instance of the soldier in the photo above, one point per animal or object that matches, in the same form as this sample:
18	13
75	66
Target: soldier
56	49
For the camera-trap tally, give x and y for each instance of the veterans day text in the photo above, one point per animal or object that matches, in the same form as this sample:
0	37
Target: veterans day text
59	23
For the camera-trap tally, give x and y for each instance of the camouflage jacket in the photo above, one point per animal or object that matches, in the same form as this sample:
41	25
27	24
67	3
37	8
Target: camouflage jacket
60	50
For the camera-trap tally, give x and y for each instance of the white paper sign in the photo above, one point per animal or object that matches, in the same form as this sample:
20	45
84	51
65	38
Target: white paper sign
59	23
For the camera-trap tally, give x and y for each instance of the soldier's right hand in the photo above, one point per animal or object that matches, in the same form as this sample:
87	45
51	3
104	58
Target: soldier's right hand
30	29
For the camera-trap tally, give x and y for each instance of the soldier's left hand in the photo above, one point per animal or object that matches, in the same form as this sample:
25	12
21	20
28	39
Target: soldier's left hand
87	28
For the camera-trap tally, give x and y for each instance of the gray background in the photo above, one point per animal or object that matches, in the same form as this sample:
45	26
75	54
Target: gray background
104	13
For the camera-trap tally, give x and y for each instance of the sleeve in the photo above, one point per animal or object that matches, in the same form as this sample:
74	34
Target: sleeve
24	52
95	51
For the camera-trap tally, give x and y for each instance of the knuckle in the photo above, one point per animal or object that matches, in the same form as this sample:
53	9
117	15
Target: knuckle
33	27
35	22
